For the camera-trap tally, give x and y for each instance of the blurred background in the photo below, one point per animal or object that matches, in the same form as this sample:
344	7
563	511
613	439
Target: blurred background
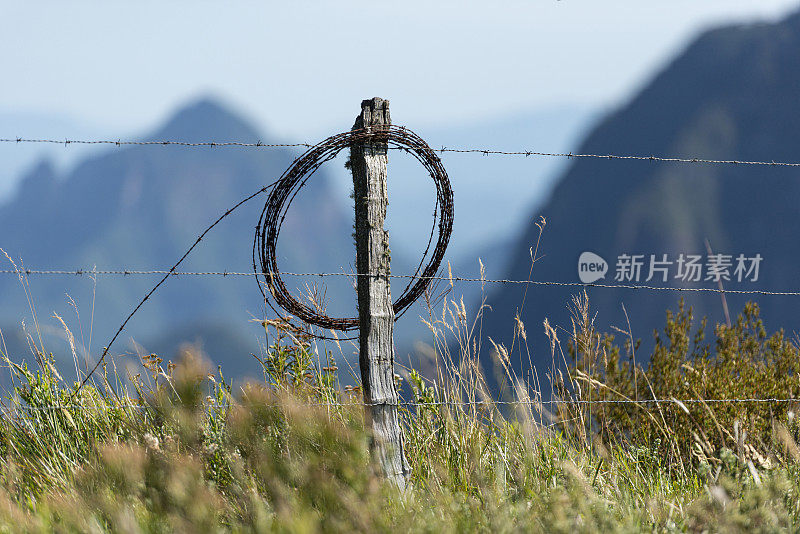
716	79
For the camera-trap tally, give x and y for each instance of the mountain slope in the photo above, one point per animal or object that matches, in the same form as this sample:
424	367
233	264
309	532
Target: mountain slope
731	95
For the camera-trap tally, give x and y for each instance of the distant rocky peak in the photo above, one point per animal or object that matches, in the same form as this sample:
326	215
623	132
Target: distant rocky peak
207	119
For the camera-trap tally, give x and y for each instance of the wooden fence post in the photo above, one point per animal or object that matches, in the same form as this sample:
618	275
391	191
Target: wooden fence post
376	357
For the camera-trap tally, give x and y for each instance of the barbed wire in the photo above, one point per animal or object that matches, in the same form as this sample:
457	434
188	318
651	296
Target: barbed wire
566	401
124	272
482	151
119	142
570	155
423	404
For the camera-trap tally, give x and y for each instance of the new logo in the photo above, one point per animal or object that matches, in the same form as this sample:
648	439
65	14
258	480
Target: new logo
591	267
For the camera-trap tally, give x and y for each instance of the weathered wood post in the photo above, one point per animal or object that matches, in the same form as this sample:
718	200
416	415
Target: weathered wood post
368	161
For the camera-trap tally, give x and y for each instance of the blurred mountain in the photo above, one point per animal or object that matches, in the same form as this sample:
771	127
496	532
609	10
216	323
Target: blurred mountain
732	94
140	208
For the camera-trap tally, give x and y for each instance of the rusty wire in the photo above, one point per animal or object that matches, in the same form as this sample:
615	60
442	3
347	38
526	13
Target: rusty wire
265	259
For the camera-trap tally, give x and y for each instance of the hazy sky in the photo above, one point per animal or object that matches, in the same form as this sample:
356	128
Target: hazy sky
302	67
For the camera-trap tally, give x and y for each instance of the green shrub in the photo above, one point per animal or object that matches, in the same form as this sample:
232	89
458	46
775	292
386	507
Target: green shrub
726	379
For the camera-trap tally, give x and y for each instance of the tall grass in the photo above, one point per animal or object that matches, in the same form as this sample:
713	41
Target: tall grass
176	448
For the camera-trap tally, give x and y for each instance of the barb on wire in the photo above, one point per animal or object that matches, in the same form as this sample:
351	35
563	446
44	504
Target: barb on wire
127	272
482	151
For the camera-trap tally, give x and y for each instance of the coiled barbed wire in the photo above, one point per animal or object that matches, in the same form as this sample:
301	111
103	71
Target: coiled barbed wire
265	259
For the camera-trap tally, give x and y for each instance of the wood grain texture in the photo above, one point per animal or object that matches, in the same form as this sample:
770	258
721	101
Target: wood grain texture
376	357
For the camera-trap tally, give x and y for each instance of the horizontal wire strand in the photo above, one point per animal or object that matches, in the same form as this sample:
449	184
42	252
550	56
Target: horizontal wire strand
81	272
483	151
770	400
212	144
